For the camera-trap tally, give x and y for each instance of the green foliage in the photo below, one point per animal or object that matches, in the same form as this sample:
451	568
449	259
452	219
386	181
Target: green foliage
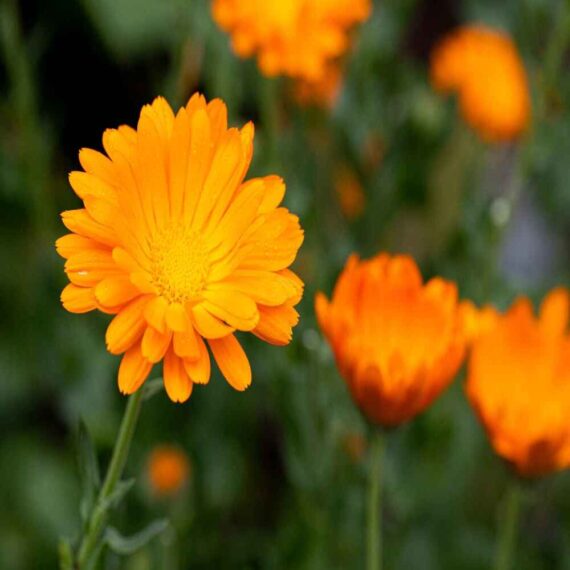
129	545
275	482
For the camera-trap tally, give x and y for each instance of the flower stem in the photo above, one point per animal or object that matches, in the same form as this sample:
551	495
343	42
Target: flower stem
374	547
114	472
508	531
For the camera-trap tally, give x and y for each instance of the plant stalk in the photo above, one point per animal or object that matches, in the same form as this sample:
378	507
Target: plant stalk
374	540
507	534
120	453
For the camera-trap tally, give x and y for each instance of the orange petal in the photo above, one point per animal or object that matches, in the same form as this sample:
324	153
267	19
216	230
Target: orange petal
127	327
89	267
208	325
78	299
263	287
179	152
86	184
218	113
176	381
199	159
222	180
142	281
72	244
273	192
151	178
554	311
297	284
273	244
125	260
199	369
98	164
232	361
238	217
155	313
186	344
155	344
177	317
80	222
160	112
114	291
235	308
276	323
133	370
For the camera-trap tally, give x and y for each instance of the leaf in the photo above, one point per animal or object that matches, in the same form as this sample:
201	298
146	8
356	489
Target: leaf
65	555
152	387
122	488
128	545
88	471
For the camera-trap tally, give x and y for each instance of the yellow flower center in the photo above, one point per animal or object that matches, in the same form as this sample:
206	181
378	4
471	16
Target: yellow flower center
180	264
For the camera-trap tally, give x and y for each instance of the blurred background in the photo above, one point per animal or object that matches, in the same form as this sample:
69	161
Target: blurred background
277	474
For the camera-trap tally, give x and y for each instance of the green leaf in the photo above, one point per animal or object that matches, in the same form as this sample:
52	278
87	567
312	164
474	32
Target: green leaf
128	545
88	471
65	555
122	488
152	387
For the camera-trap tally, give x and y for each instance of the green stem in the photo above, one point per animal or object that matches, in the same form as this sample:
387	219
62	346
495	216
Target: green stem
114	472
508	529
374	547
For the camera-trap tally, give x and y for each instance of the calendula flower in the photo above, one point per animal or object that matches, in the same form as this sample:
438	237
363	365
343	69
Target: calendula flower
179	248
349	192
168	469
484	68
296	38
519	384
397	341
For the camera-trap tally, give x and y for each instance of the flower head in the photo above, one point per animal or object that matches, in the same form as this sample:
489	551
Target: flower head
484	68
182	251
295	38
397	342
519	384
168	469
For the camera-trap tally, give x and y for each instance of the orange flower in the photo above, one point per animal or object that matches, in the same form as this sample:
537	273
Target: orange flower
483	66
519	384
168	469
397	342
350	194
295	38
175	244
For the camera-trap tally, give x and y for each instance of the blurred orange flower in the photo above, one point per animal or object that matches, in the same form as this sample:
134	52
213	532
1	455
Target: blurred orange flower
519	384
296	38
397	342
349	192
175	244
168	469
321	92
484	68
